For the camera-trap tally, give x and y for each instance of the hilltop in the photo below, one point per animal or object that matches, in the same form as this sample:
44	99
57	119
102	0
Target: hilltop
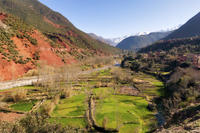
33	33
189	29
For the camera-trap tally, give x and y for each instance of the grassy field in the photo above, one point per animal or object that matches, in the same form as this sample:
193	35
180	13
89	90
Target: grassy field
128	114
148	85
71	112
29	87
24	106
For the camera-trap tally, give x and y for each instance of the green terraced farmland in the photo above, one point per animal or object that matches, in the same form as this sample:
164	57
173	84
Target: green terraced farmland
148	84
23	106
128	113
71	112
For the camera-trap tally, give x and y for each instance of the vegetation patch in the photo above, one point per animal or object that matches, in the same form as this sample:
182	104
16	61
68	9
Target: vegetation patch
124	112
148	84
23	106
70	122
71	111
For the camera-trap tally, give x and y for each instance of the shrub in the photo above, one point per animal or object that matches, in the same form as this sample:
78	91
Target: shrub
33	41
48	108
37	123
6	127
66	93
56	99
36	55
122	77
98	85
32	72
19	95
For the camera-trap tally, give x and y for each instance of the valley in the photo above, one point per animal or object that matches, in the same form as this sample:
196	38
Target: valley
57	78
93	102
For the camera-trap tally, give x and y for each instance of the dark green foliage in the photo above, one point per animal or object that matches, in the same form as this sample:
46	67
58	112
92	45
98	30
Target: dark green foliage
190	29
126	62
181	90
175	46
135	66
36	55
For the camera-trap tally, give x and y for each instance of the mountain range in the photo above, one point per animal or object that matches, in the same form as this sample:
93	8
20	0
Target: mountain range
186	36
116	40
136	42
110	41
104	40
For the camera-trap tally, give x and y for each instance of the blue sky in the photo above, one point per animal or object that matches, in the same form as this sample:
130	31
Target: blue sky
114	18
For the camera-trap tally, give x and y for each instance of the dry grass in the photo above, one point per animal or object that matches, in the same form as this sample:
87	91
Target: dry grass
3	105
98	61
48	108
30	73
121	76
66	93
56	99
98	85
19	95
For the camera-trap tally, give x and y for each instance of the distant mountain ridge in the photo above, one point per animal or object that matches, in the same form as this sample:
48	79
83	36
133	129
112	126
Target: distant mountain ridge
104	40
116	40
186	37
190	29
111	41
137	42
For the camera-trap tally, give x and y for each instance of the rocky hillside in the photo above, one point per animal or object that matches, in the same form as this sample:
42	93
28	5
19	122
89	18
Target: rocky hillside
31	33
136	42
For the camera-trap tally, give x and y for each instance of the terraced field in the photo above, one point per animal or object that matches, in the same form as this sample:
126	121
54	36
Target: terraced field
110	109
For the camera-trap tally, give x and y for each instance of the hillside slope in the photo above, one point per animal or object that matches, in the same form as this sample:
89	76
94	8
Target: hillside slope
187	45
32	33
104	40
49	22
136	42
189	29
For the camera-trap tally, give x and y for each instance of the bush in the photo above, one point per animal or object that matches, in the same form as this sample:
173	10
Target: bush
34	123
56	99
6	127
32	72
66	93
48	108
37	123
135	66
36	55
19	95
122	77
